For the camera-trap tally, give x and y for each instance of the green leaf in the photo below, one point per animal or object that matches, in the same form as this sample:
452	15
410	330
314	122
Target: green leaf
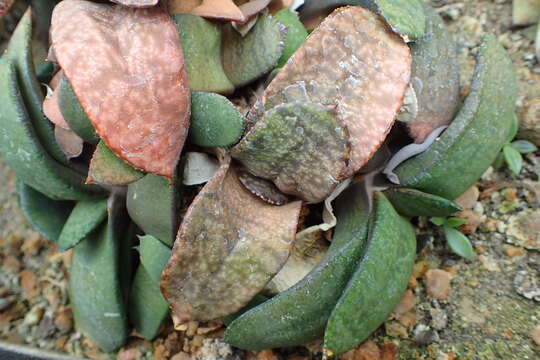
513	159
524	146
85	218
458	242
201	45
439	221
296	34
215	121
512	132
411	202
107	168
455	222
247	58
154	255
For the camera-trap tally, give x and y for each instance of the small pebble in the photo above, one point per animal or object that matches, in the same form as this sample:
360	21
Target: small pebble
512	251
437	283
423	335
536	335
34	316
406	303
5	303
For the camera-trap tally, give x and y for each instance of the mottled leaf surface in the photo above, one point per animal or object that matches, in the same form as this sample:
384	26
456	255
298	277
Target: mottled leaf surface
47	216
201	45
296	34
215	121
229	246
153	204
301	147
351	62
85	217
247	58
435	77
472	141
107	168
137	3
127	70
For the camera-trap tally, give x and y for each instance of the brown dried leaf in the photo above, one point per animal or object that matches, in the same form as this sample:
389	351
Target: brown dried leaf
229	246
126	67
136	3
219	9
355	63
253	7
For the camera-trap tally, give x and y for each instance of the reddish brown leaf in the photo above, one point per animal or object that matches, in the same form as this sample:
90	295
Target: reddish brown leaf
137	3
355	63
70	143
5	5
51	107
229	246
253	7
183	6
219	9
126	67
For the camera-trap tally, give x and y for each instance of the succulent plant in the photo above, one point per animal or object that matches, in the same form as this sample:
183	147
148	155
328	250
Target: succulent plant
212	138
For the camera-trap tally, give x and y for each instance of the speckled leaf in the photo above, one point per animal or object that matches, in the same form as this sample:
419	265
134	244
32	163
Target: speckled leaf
127	70
85	218
153	204
411	202
147	307
351	62
25	155
471	143
215	121
94	283
299	315
435	77
20	51
247	58
106	168
47	216
229	246
137	3
296	34
406	17
201	44
263	189
285	147
378	282
73	113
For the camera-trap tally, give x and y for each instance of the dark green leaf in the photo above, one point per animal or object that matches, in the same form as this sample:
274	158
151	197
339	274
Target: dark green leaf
85	218
524	146
296	34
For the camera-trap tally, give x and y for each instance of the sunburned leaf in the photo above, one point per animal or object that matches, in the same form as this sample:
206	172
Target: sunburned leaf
301	147
201	44
219	9
435	77
127	70
458	242
106	168
137	3
247	58
215	121
229	246
354	63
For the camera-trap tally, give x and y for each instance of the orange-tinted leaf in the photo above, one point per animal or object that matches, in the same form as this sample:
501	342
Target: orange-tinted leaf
183	6
229	246
51	106
70	143
219	9
137	3
126	67
355	63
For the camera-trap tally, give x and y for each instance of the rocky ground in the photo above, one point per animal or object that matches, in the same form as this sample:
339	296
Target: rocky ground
484	308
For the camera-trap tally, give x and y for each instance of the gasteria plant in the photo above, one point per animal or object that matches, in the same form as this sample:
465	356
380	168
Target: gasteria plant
145	102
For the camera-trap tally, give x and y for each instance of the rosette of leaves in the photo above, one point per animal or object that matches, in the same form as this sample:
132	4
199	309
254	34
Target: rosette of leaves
108	153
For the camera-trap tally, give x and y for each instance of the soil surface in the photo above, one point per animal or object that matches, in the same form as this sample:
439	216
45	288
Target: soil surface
484	308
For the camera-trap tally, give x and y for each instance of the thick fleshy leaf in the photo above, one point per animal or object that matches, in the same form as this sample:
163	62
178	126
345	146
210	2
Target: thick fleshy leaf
229	246
302	147
85	218
296	34
247	58
353	63
106	168
95	290
435	77
201	45
263	189
51	109
73	113
153	204
410	202
253	7
219	9
5	5
47	216
215	121
70	143
137	3
199	168
127	70
458	243
475	137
